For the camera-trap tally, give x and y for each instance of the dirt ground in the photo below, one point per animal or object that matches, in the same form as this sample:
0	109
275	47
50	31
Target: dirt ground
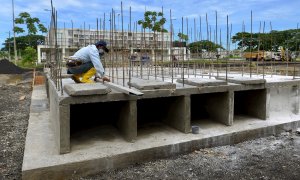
274	157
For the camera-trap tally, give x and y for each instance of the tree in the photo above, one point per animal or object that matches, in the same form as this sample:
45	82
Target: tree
197	47
23	42
3	54
289	39
30	56
183	37
31	22
151	21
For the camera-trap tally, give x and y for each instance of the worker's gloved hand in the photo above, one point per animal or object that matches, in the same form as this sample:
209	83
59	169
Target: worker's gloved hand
105	78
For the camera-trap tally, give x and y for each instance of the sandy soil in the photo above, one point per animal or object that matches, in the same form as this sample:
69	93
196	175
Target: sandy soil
275	157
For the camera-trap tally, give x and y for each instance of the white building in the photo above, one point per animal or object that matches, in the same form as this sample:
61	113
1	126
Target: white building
70	40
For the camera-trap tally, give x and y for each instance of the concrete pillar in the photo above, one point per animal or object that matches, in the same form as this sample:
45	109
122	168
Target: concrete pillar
184	53
152	53
60	120
179	114
169	54
63	52
127	123
39	54
64	129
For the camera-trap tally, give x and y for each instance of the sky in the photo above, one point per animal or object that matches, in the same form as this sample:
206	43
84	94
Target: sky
266	15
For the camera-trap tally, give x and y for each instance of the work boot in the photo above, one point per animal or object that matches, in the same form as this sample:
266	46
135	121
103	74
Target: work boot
86	76
76	78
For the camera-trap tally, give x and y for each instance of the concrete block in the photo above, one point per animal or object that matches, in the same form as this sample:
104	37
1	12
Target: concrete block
142	84
84	89
243	80
199	82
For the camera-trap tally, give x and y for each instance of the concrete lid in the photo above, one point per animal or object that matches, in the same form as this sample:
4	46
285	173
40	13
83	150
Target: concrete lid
86	89
243	80
151	84
199	82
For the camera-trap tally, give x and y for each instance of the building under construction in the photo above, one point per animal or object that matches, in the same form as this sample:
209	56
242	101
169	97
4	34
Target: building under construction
130	43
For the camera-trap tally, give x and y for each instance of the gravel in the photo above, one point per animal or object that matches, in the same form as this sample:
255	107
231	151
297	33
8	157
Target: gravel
14	115
274	157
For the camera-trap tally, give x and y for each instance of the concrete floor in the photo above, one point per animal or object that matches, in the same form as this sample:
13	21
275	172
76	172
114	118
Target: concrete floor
101	148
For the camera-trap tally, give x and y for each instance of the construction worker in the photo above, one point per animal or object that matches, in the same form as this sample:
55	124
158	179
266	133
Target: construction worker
86	63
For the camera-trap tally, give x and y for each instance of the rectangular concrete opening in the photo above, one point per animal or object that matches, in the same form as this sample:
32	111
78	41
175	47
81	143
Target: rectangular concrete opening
156	113
211	108
251	103
86	118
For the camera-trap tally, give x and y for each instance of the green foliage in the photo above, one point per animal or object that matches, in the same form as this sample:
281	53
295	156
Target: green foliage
23	42
3	54
153	21
30	22
30	56
197	47
183	37
289	39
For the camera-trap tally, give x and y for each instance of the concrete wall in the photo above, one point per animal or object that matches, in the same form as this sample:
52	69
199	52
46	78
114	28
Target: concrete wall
284	100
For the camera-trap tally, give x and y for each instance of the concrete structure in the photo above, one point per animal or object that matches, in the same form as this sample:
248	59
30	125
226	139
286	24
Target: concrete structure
87	133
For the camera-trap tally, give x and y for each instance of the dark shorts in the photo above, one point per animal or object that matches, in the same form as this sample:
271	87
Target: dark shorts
80	69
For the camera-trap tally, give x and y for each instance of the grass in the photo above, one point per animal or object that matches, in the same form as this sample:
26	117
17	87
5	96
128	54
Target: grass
29	65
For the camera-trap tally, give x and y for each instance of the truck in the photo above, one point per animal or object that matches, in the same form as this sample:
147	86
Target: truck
254	56
280	55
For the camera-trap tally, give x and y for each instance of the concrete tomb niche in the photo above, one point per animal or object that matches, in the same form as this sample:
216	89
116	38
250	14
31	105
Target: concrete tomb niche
216	107
253	103
170	111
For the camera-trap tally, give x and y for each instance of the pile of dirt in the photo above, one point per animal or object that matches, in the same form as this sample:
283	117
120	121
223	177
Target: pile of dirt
7	67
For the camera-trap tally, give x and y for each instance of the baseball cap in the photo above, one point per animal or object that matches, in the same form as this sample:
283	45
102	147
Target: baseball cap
102	43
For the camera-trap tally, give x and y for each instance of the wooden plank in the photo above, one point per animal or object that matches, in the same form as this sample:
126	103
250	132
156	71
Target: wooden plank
123	89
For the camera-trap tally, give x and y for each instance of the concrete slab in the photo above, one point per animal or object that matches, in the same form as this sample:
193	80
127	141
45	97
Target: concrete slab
103	147
84	89
199	82
142	84
244	80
